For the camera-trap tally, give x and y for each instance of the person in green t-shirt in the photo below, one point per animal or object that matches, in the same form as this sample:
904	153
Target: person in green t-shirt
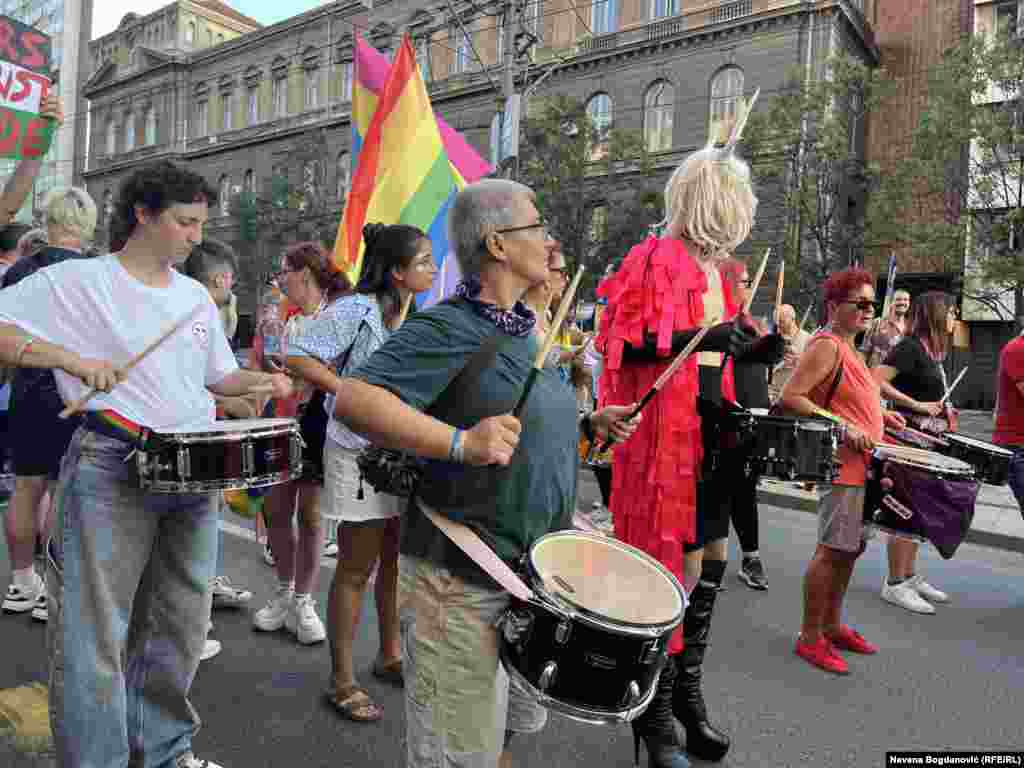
458	699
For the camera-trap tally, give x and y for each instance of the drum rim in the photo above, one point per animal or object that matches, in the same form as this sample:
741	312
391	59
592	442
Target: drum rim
287	426
573	610
938	439
213	486
973	442
920	462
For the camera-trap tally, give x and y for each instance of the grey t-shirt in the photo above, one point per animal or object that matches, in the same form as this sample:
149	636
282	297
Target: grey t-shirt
536	493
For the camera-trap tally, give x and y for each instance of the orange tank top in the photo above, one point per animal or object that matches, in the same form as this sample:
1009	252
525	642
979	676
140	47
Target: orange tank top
857	400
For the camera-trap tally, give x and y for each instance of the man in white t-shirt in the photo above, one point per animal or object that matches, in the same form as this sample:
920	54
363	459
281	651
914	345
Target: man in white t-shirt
129	571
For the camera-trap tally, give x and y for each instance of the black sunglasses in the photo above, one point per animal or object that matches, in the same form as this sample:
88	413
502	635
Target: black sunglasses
863	305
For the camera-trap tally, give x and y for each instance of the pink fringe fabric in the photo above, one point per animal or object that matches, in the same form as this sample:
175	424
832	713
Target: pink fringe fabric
659	289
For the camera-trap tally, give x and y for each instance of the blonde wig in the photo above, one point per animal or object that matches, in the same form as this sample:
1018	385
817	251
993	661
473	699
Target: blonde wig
709	199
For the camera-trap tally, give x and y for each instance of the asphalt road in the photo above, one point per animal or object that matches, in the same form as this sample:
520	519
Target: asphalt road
952	680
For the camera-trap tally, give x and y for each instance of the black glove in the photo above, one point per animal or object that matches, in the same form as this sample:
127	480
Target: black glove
741	339
768	350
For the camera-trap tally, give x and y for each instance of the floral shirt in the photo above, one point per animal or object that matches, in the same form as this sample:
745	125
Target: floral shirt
343	336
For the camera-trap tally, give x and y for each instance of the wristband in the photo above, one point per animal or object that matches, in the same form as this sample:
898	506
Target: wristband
26	345
455	452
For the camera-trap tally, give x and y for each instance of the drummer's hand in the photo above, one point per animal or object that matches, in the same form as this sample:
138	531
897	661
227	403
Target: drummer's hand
930	409
491	441
281	386
238	407
894	420
857	440
613	421
96	374
953	417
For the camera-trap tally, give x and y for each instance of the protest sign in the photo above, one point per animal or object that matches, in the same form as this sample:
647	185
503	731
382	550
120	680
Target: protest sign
25	59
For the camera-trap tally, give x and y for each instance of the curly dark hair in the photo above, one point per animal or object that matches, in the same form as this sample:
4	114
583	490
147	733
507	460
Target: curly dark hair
11	234
156	188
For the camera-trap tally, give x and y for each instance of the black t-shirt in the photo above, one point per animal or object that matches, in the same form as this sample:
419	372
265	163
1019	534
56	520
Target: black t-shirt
918	375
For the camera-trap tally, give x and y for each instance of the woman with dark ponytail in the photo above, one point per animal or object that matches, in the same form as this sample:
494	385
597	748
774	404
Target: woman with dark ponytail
397	264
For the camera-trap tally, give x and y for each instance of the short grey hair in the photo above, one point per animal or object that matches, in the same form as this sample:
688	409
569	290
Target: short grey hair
32	241
72	211
478	210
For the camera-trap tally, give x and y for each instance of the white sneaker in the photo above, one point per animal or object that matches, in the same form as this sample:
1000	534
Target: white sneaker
273	615
227	596
41	610
330	549
188	760
304	623
268	556
22	598
210	649
926	590
907	597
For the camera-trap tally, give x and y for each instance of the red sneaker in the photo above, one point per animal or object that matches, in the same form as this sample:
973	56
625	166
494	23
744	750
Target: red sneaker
821	654
850	639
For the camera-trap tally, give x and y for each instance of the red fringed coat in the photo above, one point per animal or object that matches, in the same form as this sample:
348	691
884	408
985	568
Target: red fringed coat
658	290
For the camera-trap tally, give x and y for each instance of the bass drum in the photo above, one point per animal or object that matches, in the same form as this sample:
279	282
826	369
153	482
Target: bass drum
592	642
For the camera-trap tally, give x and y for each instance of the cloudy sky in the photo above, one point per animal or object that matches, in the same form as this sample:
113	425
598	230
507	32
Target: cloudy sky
106	16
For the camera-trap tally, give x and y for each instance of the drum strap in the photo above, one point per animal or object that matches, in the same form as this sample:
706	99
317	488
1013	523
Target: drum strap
112	424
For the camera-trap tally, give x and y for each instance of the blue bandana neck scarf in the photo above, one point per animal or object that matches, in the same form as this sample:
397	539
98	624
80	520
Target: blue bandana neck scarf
518	321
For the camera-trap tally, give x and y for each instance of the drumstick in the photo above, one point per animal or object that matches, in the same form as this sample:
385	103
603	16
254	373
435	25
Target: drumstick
757	281
807	313
665	376
778	289
952	386
77	406
405	309
542	353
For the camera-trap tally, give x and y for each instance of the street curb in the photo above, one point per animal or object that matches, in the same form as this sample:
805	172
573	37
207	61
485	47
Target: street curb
974	536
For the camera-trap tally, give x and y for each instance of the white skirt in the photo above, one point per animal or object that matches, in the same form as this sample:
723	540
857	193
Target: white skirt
341	490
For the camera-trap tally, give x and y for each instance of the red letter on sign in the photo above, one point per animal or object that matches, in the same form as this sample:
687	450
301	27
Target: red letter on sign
34	144
33	56
8	50
10	129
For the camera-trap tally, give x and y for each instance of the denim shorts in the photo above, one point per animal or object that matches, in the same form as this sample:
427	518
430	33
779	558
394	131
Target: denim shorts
841	518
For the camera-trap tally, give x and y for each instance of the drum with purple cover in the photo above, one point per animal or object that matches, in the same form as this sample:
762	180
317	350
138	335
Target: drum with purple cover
991	462
920	495
915	438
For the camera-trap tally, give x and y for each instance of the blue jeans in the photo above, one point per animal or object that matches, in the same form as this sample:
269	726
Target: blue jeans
1017	474
129	582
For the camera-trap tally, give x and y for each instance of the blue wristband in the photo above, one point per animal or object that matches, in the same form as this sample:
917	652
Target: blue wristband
455	451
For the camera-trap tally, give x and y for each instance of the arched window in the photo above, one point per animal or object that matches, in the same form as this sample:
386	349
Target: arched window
224	197
659	104
150	126
726	92
249	182
344	175
129	132
108	206
190	32
220	39
133	56
112	136
599	110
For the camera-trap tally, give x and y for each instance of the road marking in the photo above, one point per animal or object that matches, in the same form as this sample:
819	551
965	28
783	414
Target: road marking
25	718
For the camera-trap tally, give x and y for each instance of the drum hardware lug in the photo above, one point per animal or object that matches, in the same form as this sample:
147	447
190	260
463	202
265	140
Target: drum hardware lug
650	652
296	448
547	677
184	463
248	459
632	695
562	632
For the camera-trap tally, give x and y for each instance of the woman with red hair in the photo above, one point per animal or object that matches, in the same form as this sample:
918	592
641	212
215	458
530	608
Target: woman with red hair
832	375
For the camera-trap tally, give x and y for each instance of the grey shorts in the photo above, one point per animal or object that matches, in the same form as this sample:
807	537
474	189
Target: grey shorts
841	518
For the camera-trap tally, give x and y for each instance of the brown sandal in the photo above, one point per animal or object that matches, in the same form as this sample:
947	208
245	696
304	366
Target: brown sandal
354	703
389	673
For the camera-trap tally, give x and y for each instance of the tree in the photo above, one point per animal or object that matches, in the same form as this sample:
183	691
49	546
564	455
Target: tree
960	190
588	179
806	153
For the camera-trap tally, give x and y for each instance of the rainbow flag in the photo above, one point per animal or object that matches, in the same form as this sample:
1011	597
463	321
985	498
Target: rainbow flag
421	159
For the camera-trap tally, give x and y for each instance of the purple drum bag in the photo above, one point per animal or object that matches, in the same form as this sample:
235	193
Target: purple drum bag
923	503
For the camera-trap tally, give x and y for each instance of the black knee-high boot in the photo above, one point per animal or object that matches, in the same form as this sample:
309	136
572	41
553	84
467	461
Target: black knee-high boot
703	740
657	728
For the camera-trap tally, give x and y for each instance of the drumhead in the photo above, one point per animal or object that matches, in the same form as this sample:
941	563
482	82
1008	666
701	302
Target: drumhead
916	457
607	578
973	442
235	425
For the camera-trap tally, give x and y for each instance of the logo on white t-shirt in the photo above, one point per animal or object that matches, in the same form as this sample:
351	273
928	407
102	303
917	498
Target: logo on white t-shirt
200	333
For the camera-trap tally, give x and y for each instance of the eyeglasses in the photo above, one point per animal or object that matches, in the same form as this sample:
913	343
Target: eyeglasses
544	231
863	305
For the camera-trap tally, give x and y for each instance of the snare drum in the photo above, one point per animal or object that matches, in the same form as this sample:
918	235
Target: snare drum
991	462
592	642
224	456
931	498
917	439
785	447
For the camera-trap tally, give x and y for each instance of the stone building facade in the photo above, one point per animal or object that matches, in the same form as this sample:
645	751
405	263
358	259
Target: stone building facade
252	108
